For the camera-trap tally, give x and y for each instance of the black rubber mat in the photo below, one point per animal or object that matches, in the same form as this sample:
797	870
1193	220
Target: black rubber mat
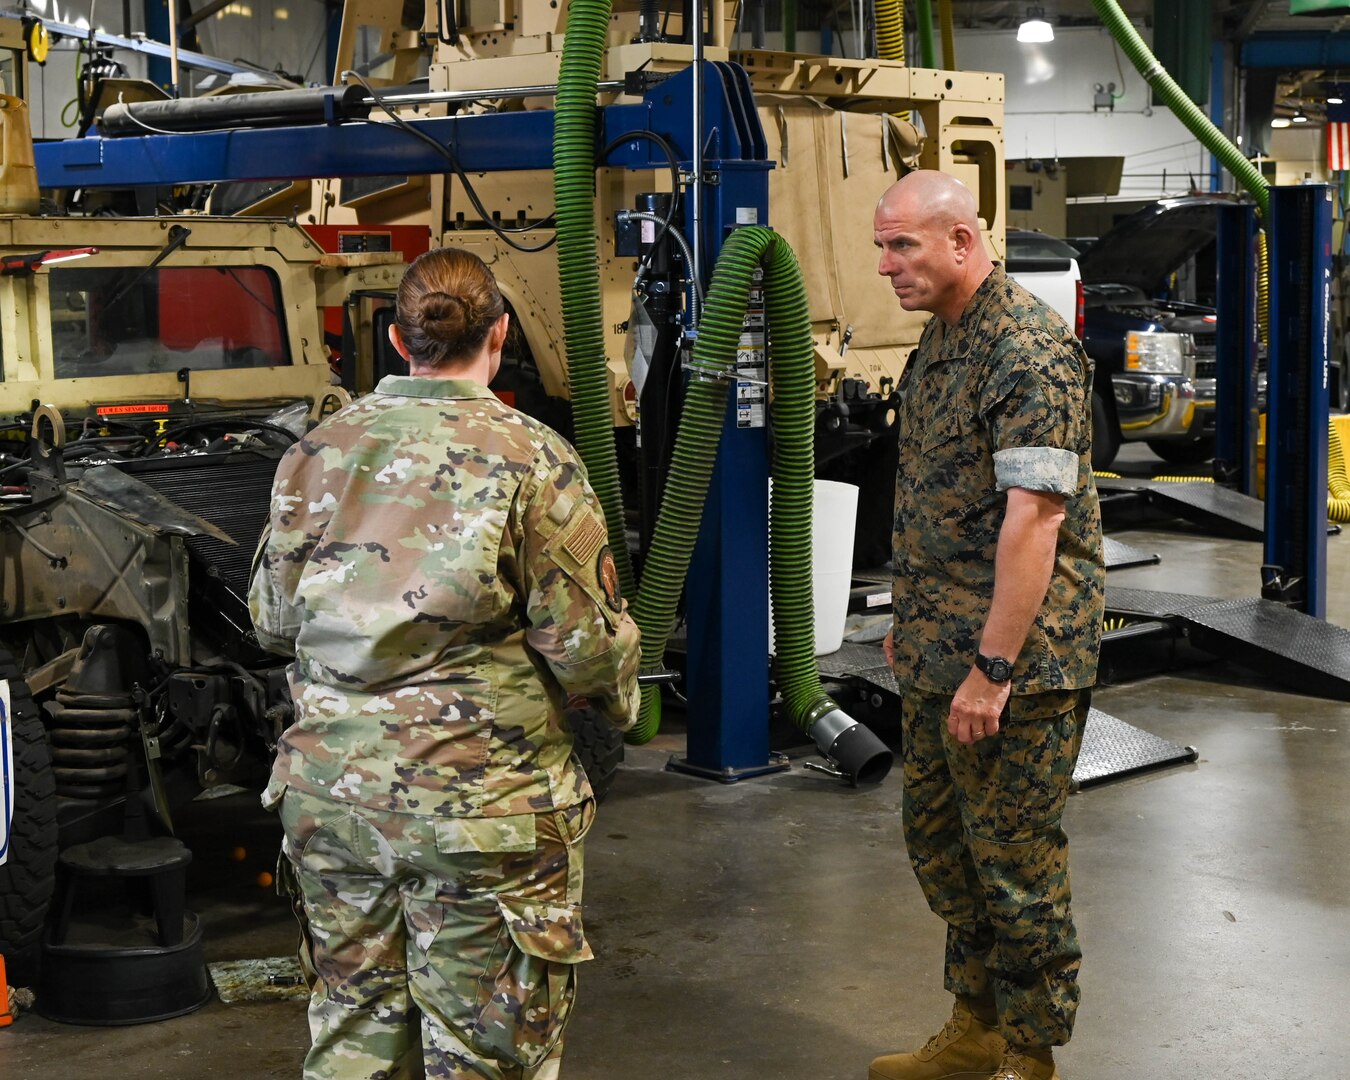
1309	655
1118	556
866	662
1220	509
1147	603
1113	749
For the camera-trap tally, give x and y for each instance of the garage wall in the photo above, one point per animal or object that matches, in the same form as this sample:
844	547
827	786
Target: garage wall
1049	109
271	34
53	84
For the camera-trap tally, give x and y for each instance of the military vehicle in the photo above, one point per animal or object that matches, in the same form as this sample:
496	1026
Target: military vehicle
837	131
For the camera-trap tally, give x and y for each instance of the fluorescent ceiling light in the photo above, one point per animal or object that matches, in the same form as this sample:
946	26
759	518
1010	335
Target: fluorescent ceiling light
1034	29
1280	122
1335	99
1299	118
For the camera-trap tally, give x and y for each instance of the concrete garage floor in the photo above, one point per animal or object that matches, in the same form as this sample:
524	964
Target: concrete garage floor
773	928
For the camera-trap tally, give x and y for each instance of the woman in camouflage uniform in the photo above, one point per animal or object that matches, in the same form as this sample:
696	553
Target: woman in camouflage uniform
437	565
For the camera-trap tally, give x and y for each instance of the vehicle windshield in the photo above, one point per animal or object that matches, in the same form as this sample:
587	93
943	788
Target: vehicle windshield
1034	245
125	320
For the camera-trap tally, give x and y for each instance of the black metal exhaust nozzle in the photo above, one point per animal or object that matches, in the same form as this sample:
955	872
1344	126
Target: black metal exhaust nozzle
854	750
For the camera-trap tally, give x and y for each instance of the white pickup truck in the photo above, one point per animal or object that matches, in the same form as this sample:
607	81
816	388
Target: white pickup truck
1048	268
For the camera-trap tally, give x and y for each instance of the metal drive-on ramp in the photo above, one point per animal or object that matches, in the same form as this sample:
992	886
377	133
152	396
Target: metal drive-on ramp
1309	655
1111	748
1212	506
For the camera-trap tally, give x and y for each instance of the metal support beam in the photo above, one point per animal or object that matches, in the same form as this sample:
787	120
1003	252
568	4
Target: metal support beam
1294	571
1296	50
1235	409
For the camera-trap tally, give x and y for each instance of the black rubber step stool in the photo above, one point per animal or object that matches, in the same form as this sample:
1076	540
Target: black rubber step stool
106	963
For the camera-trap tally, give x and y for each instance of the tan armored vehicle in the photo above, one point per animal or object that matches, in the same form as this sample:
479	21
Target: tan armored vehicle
837	131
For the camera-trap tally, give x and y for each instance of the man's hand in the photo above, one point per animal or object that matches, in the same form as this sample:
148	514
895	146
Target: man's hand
977	707
888	647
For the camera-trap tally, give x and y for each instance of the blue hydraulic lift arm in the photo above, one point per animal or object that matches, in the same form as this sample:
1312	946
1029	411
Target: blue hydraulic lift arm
492	143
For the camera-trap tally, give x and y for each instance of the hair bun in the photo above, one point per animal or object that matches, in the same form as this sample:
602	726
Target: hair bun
443	317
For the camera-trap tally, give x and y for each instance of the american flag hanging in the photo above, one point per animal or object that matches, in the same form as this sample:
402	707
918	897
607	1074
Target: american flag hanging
1338	145
1338	137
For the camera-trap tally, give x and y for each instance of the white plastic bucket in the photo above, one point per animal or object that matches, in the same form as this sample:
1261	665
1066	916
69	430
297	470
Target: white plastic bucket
834	513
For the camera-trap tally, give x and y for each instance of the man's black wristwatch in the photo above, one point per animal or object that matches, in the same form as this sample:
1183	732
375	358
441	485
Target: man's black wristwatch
995	668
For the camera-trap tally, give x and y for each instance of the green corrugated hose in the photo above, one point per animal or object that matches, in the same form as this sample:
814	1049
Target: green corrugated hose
574	149
792	375
1199	125
1186	110
923	12
859	754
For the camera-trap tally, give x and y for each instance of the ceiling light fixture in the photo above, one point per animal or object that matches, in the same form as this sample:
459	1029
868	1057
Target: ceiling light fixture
1279	122
1299	118
1034	29
1334	98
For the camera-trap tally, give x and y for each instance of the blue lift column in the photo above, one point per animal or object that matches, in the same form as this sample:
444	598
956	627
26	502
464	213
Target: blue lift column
728	586
1236	407
1294	572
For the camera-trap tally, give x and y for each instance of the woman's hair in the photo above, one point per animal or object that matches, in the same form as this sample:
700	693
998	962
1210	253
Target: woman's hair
447	303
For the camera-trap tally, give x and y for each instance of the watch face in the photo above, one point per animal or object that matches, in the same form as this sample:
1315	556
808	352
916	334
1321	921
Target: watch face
997	668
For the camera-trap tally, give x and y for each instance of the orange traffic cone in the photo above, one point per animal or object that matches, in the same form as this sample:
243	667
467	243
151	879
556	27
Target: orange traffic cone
5	1018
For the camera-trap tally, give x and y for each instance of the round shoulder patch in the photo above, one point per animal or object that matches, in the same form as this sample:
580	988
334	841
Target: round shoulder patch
607	574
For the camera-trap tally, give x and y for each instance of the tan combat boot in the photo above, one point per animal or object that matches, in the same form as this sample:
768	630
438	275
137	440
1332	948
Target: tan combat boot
1026	1065
966	1049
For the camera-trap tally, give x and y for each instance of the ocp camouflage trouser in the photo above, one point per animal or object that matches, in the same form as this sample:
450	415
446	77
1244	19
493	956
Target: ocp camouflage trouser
444	948
982	825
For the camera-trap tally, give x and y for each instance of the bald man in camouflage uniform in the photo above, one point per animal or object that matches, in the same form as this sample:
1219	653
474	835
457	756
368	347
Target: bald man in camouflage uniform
438	566
998	600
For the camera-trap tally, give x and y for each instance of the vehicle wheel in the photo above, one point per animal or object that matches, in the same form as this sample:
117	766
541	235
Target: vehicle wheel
29	873
1105	435
1175	452
599	747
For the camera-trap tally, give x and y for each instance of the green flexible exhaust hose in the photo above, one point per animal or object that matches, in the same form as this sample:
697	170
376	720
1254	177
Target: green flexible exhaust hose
792	376
923	13
578	268
1185	109
1199	125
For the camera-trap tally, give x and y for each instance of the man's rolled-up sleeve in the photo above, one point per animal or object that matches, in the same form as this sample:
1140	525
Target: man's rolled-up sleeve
1037	413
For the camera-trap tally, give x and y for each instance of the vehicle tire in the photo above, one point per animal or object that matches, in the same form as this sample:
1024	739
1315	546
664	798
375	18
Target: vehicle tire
1105	434
1176	452
599	746
29	874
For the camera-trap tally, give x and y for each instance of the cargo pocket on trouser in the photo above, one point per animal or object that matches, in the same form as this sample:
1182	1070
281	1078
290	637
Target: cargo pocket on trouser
529	988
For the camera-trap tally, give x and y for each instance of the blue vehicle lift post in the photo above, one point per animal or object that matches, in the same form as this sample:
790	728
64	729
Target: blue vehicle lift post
1295	565
1236	405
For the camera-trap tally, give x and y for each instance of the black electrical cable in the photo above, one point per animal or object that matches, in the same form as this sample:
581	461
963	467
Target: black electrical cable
502	231
669	151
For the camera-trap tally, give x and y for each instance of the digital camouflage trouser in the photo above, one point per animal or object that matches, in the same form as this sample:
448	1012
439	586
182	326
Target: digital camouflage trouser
982	825
444	948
